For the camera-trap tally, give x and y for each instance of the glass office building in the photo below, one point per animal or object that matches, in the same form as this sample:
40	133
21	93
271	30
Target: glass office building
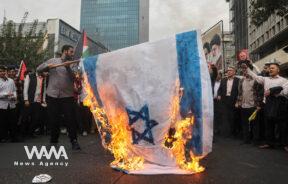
115	23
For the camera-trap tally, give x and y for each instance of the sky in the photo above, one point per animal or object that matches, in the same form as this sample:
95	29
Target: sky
166	16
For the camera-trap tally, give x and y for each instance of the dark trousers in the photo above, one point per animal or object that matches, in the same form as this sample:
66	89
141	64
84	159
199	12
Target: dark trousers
8	123
217	116
86	118
36	121
259	127
78	116
270	124
229	124
283	131
247	127
56	107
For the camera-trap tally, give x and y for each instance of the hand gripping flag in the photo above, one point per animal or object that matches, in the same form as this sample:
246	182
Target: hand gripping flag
153	104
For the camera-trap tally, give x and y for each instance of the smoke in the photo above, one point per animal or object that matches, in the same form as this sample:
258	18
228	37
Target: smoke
168	17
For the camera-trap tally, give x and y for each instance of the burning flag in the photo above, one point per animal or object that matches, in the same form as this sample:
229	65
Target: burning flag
154	105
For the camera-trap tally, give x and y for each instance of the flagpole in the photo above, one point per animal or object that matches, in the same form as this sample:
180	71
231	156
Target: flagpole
65	63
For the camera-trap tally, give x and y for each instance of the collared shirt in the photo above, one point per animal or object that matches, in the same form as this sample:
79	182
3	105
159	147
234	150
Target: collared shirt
229	86
216	87
60	83
268	82
38	92
247	100
7	87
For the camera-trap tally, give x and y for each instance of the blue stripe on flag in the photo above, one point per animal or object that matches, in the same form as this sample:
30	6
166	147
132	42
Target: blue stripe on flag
90	65
190	79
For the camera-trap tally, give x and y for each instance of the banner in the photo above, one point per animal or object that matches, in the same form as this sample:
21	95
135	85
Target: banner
213	45
153	105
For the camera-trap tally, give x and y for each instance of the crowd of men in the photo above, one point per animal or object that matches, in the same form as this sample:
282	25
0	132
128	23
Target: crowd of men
238	98
47	100
52	97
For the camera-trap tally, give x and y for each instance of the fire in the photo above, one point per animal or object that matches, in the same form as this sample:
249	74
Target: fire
120	134
180	132
118	128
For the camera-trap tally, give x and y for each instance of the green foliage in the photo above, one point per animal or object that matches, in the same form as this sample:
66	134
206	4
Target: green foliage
263	9
18	42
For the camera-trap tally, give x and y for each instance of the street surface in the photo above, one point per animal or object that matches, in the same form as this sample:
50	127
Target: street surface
230	162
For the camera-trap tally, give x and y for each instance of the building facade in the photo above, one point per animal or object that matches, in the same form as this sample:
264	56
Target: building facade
116	23
60	33
239	23
229	49
269	40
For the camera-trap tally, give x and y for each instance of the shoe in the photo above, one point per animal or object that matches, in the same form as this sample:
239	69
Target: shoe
84	133
286	148
264	146
75	145
63	131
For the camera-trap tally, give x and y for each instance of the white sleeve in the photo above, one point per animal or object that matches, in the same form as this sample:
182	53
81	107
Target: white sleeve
44	89
284	92
14	90
26	86
256	77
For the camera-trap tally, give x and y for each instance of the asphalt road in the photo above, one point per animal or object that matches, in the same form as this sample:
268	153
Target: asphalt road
229	163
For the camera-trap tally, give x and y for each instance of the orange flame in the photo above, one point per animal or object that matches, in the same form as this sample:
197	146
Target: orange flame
121	138
182	133
117	127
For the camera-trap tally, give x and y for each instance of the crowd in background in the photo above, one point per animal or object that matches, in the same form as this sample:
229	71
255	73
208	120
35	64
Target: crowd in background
249	106
23	106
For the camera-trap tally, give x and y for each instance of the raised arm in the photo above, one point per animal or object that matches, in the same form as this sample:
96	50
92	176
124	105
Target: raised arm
256	77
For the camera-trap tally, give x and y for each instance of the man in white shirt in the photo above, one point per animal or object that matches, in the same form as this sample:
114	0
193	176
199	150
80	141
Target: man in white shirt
8	97
248	100
275	105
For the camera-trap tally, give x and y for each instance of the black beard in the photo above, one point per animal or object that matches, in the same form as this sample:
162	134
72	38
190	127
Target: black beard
68	58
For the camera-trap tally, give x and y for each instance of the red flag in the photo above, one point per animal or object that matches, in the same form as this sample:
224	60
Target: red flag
22	70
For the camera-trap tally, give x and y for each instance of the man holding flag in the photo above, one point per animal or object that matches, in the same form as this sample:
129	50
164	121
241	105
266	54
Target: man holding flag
60	93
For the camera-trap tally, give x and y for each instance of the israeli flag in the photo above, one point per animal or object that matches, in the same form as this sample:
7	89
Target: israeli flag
141	81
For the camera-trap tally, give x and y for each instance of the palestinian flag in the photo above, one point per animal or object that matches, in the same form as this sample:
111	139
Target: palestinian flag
22	70
81	50
85	52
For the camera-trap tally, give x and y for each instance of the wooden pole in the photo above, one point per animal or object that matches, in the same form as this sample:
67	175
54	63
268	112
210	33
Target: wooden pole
65	63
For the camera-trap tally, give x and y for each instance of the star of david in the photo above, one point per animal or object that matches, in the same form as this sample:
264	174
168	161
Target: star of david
143	114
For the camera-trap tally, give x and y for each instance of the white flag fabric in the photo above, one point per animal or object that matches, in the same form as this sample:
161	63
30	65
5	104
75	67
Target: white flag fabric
141	81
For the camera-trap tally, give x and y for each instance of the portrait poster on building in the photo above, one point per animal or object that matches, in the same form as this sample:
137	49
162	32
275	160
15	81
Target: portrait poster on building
213	45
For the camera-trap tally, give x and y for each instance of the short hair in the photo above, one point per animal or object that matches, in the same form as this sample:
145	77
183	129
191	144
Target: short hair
11	67
276	64
207	46
2	67
216	40
66	47
231	67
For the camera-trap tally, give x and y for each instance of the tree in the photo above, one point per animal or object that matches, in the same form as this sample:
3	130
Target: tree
263	9
22	42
